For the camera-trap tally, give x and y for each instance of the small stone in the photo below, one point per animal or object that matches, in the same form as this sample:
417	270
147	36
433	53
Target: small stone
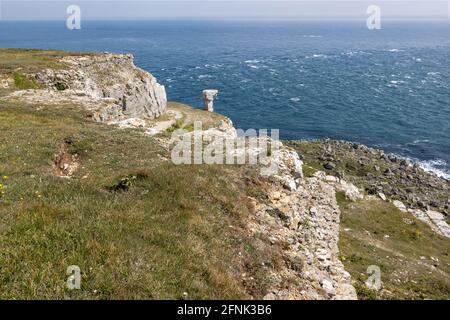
331	179
329	166
434	215
276	195
327	286
289	183
382	196
399	205
270	296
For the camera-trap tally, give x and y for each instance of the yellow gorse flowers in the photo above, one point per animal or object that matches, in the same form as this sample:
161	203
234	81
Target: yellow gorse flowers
3	187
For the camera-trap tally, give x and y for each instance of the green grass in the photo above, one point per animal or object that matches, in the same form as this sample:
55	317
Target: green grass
404	274
32	60
190	115
167	232
177	125
22	82
308	171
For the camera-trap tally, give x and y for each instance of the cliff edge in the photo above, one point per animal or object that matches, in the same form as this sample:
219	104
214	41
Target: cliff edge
109	85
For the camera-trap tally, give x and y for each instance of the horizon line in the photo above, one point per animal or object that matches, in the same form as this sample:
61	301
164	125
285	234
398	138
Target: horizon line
187	19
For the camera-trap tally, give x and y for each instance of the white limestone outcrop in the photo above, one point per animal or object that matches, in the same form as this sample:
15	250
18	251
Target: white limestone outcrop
111	79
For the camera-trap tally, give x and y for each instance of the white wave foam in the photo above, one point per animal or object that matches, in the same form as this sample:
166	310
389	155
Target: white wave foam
317	56
395	50
435	166
296	99
420	141
352	53
252	61
396	81
310	36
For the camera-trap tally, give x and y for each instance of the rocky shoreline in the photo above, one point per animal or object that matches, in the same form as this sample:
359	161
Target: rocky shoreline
379	174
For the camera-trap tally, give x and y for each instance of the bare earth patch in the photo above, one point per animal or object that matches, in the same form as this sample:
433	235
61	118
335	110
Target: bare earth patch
65	164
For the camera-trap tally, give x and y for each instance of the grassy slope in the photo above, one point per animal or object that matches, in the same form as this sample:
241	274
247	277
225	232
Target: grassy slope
405	258
168	234
405	275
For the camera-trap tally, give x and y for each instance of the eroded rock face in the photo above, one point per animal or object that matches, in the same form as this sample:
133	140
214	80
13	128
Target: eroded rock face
301	220
305	223
130	92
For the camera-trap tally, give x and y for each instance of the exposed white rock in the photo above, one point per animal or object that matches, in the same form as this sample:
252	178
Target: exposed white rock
130	123
128	91
5	82
310	229
434	215
399	205
331	179
350	190
288	182
382	196
439	220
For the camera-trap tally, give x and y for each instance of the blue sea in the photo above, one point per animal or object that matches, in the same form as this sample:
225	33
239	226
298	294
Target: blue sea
387	88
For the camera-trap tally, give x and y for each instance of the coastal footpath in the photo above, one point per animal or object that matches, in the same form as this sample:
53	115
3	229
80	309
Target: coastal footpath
88	180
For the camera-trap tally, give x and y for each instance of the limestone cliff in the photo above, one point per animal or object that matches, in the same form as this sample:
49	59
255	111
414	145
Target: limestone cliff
110	80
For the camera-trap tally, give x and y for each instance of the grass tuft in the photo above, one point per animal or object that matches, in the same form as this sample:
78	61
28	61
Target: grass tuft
23	82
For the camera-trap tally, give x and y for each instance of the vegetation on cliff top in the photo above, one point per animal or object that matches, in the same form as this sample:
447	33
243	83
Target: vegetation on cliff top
413	259
33	60
172	229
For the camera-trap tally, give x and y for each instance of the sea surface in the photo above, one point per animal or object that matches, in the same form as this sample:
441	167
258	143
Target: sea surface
387	88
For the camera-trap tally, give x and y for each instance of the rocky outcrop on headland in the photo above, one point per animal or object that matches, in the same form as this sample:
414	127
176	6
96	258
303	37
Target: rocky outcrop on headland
111	82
